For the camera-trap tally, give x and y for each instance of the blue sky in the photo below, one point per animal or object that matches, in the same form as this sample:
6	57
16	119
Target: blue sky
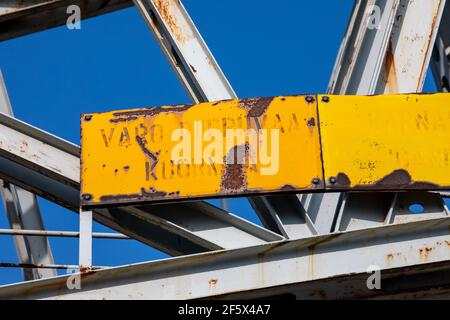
113	62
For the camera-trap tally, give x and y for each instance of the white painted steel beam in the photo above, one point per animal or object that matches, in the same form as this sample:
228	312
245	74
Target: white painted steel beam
22	210
312	268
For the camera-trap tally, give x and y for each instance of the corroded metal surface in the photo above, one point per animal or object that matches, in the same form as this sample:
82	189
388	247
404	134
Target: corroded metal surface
410	46
266	145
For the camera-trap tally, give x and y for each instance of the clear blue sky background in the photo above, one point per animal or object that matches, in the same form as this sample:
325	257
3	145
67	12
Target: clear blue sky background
113	62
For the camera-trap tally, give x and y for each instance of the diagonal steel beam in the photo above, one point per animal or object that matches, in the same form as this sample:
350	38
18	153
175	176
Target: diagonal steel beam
185	49
360	59
23	212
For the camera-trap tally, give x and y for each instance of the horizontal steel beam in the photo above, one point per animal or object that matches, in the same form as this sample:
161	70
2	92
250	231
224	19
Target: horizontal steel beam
49	166
43	266
63	234
440	62
279	268
428	281
18	17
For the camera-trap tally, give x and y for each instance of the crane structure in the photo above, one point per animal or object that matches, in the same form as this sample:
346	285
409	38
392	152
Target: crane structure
330	218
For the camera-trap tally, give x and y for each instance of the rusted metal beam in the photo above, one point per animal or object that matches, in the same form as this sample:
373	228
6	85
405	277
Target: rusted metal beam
18	18
63	234
185	49
268	145
313	268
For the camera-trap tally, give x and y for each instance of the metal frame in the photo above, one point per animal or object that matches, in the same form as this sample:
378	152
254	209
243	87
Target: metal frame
379	58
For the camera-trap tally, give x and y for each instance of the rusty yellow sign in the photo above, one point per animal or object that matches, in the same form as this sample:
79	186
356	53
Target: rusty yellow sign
266	145
226	148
